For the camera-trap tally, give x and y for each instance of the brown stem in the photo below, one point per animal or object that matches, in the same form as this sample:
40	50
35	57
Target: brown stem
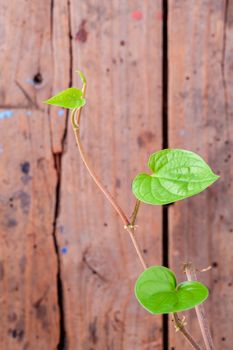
97	181
132	231
200	311
180	326
135	212
127	225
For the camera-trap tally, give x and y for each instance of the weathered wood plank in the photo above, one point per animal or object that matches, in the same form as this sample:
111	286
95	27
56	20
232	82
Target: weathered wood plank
28	264
31	47
118	45
200	119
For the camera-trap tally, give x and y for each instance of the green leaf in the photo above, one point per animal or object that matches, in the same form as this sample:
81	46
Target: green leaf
82	76
157	291
177	174
69	98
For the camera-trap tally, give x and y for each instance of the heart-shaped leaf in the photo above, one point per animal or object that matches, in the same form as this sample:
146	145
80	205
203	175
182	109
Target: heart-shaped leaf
157	291
69	98
177	174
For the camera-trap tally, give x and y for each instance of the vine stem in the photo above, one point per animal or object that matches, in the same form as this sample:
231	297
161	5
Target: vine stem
129	226
200	311
180	326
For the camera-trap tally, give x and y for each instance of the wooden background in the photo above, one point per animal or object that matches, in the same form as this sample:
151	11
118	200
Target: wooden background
160	73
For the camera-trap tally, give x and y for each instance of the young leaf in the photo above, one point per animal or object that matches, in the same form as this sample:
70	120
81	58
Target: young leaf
82	76
69	98
157	291
177	174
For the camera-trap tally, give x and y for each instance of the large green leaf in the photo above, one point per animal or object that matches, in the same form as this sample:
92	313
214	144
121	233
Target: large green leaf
157	291
177	174
69	98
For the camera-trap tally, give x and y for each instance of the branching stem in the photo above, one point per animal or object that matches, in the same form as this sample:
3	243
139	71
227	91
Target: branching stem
129	226
75	119
180	327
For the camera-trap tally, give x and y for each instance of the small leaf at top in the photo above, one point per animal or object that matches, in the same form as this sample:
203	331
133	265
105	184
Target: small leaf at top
69	98
177	174
157	291
82	76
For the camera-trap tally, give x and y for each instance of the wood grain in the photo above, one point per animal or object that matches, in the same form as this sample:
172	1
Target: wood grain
121	125
28	263
29	44
200	119
67	267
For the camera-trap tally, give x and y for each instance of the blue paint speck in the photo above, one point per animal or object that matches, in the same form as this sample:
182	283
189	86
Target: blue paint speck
30	81
28	113
64	250
61	112
6	114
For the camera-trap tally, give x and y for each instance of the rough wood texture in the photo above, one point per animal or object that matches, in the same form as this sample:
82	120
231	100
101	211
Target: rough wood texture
121	125
28	264
67	267
200	119
28	261
83	275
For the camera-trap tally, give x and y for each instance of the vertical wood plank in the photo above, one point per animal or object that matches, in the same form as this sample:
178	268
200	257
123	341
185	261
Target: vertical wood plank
29	58
28	304
118	46
200	119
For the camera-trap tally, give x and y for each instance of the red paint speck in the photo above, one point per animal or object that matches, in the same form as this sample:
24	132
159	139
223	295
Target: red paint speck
137	15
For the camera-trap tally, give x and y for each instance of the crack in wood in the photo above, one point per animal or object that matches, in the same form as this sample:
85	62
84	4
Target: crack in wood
165	144
51	21
62	344
70	42
58	167
62	338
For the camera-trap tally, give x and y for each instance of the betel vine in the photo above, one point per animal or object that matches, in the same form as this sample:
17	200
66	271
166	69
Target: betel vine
176	174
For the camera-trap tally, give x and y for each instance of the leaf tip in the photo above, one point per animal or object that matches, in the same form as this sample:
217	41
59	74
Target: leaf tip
215	177
82	76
